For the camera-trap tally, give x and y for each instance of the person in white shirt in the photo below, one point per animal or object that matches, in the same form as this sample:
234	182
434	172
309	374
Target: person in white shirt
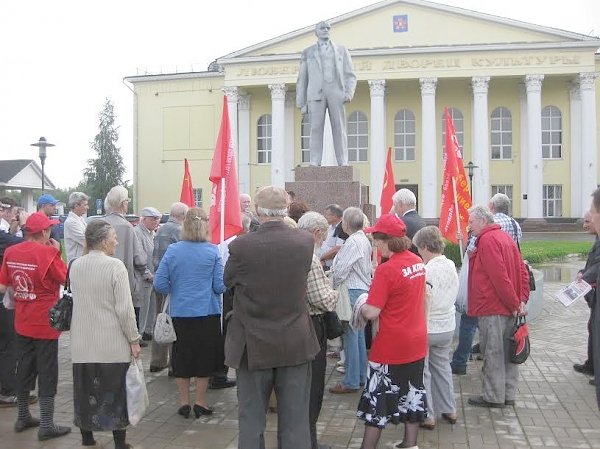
8	211
75	225
333	243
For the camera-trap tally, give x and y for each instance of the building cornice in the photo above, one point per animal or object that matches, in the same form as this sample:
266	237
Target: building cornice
172	76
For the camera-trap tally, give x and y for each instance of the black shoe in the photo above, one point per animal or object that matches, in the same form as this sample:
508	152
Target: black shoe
157	369
171	373
478	401
476	349
220	384
184	411
458	371
583	368
509	402
24	424
146	337
143	344
53	432
199	411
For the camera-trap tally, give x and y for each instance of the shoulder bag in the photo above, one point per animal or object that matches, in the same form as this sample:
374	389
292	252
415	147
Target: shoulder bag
529	271
164	332
519	341
60	314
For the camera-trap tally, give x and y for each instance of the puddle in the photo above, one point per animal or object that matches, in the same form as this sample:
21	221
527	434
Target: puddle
559	274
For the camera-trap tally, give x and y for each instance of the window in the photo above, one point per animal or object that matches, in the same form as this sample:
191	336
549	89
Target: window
358	137
198	197
501	133
507	190
552	200
305	138
404	135
263	139
459	128
551	133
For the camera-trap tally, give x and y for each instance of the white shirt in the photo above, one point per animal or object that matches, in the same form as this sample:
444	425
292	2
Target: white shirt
353	263
74	235
329	243
4	225
442	287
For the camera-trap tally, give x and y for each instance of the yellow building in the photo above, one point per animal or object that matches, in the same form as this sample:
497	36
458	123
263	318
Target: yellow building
522	96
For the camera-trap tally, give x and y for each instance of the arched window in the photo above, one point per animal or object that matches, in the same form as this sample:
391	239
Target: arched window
459	128
358	137
305	138
404	135
551	133
263	139
501	133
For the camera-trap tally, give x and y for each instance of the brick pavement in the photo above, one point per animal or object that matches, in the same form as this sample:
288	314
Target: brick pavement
555	406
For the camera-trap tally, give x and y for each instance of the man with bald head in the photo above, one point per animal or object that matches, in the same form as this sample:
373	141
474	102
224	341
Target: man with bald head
245	202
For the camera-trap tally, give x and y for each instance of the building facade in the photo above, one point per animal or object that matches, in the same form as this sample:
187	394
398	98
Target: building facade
523	98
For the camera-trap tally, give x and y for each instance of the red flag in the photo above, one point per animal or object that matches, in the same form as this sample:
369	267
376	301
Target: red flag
225	198
187	191
455	190
389	186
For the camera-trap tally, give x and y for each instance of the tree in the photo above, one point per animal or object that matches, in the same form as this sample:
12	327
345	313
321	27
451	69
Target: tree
107	169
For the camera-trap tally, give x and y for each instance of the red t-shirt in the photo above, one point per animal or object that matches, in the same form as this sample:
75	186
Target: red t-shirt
398	289
35	272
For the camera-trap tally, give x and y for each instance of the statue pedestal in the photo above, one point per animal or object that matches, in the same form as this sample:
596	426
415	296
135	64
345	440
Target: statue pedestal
320	186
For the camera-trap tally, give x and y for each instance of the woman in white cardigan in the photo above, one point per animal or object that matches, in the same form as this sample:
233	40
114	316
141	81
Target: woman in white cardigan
442	287
104	336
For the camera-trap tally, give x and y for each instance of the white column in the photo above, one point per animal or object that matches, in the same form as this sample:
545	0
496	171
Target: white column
231	92
290	127
577	196
429	160
377	141
244	143
278	134
524	149
535	168
481	147
589	158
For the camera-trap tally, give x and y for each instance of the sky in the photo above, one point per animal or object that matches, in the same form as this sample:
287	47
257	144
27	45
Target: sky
60	60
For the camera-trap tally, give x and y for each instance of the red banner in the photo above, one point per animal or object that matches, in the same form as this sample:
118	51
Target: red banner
187	191
389	186
225	197
455	189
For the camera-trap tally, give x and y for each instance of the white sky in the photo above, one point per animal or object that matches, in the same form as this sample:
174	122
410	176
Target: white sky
60	59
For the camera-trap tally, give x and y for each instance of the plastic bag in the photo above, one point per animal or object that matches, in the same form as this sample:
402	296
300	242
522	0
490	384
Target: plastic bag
344	308
137	394
462	297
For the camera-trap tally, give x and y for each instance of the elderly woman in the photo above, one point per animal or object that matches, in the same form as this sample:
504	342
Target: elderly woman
129	251
442	288
101	354
321	298
394	391
75	225
35	272
191	271
352	265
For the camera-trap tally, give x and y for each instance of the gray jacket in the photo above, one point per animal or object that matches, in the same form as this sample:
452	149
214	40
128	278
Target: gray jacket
168	233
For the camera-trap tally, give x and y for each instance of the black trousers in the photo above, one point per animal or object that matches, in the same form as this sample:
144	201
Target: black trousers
317	382
8	352
221	374
37	359
590	348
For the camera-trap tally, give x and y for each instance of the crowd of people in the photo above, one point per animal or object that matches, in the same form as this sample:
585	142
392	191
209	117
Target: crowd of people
257	304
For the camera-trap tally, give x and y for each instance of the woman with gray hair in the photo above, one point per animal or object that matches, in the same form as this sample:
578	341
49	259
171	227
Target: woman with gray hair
352	265
442	288
101	354
75	225
321	299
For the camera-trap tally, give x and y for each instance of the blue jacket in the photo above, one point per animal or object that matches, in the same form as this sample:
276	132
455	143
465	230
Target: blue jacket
192	273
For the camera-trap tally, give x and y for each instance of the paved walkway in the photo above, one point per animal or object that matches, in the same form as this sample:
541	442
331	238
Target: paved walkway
555	407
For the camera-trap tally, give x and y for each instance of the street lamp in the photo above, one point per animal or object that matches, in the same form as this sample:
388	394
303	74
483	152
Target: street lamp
42	145
470	167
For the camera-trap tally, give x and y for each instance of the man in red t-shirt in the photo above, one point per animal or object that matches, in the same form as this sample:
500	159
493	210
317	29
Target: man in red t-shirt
35	272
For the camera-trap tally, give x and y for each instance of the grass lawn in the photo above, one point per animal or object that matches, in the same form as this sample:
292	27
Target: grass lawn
536	252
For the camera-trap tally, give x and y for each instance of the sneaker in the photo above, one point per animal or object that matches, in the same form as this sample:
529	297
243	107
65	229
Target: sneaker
341	369
53	432
11	400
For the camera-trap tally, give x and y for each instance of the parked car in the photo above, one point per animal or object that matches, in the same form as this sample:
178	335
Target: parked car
164	218
94	217
133	219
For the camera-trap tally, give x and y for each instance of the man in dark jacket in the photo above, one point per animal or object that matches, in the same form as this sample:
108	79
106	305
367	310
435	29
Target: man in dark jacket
405	207
595	216
270	338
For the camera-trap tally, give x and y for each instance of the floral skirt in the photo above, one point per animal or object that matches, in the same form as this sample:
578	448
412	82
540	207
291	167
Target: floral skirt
393	393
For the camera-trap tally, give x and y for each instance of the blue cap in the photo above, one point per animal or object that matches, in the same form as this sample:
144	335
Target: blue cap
46	198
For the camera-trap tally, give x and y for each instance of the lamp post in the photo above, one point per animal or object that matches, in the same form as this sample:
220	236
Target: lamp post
470	167
42	144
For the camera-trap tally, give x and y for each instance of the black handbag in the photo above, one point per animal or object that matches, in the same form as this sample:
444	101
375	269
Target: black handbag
333	325
519	341
60	314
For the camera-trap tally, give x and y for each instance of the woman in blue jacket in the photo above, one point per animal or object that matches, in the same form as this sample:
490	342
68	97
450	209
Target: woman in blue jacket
191	272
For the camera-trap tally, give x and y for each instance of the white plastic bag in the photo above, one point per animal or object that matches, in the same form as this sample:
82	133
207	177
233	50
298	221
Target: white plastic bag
344	308
164	332
137	395
9	299
462	297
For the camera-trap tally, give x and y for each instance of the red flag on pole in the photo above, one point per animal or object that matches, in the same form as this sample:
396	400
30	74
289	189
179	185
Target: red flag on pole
187	191
225	216
389	186
456	198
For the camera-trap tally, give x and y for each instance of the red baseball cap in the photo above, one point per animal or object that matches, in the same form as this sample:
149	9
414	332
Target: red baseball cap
38	222
388	224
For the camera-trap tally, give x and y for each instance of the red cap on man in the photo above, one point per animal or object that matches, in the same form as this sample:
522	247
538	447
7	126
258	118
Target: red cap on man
388	224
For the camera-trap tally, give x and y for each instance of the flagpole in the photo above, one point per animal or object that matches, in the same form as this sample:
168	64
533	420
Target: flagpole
458	230
222	199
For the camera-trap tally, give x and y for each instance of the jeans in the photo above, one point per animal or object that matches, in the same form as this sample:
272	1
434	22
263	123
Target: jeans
468	327
355	350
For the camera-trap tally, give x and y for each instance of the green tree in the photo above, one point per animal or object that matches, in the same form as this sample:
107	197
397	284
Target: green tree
107	169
